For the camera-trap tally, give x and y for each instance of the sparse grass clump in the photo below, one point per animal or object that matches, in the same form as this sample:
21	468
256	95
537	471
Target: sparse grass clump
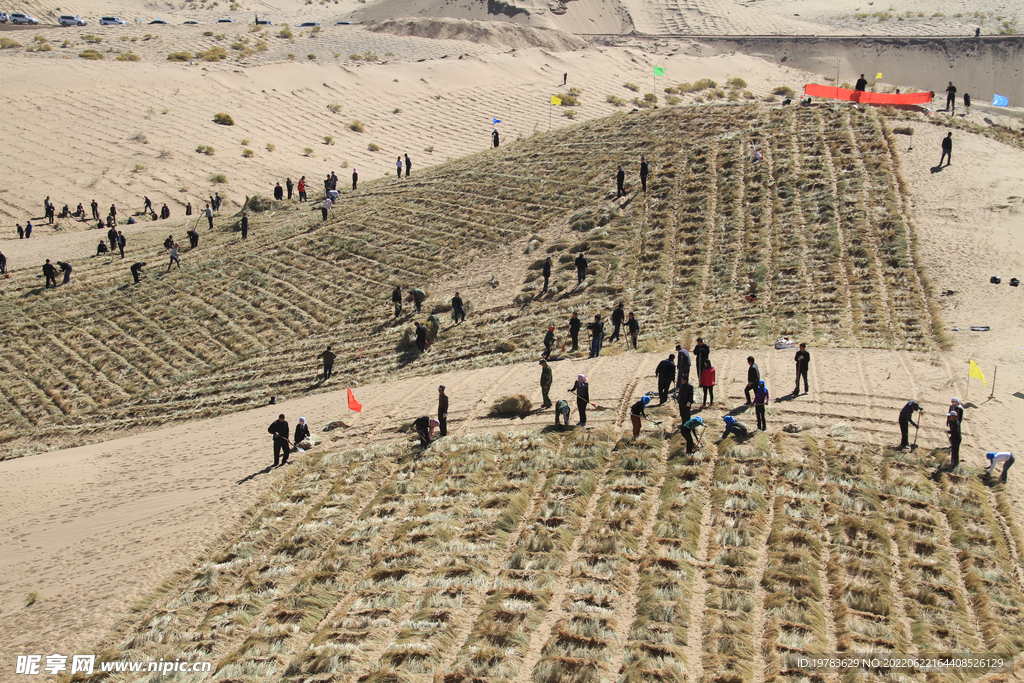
783	91
140	138
32	598
373	147
615	100
91	54
631	86
248	153
311	56
128	57
218	178
307	151
91	39
512	405
286	33
328	140
569	113
356	126
214	54
334	107
271	146
205	149
179	57
736	83
569	100
223	119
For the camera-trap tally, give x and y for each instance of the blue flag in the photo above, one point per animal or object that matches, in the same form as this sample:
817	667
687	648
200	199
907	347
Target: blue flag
1000	101
499	120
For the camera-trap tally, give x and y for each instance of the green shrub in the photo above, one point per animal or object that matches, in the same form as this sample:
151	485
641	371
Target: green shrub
672	99
205	149
737	83
617	101
285	32
223	119
569	113
214	54
248	153
373	147
91	39
8	44
271	146
334	107
179	57
356	126
784	91
128	57
328	139
311	56
91	54
307	151
397	110
568	100
208	34
632	86
218	178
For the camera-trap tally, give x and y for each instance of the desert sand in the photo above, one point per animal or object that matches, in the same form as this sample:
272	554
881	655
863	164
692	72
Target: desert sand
95	529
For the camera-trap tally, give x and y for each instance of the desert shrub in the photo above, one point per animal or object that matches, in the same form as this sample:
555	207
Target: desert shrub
512	405
179	57
205	149
208	34
569	113
770	98
140	138
8	44
733	96
373	147
369	56
138	168
90	54
128	57
334	107
397	110
218	178
285	32
672	99
291	56
214	54
261	46
614	100
356	126
702	84
737	83
166	153
651	98
328	139
747	95
429	149
719	93
631	86
244	142
91	39
784	91
271	146
223	119
903	130
505	346
355	57
248	153
569	100
670	90
307	151
311	56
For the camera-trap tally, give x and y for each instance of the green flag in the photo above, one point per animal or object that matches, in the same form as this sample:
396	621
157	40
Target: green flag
659	71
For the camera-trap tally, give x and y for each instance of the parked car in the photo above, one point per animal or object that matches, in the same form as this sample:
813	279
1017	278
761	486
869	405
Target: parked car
71	20
343	23
157	21
309	24
264	22
191	22
20	18
225	21
112	21
3	17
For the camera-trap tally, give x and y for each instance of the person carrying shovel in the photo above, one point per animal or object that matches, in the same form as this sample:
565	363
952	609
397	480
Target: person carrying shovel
279	428
582	390
689	432
905	420
636	412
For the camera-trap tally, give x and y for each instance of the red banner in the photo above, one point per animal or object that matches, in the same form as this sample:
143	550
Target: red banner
834	93
353	404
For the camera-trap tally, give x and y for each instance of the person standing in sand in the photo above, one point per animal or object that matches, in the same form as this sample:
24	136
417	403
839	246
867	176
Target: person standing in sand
582	390
862	83
208	212
398	168
950	97
633	329
355	178
494	137
803	361
95	210
947	149
245	225
620	183
279	429
645	170
302	189
3	262
442	412
289	185
545	383
408	165
953	425
174	257
565	78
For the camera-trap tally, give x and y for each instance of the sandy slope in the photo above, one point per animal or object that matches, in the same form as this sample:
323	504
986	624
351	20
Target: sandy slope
94	528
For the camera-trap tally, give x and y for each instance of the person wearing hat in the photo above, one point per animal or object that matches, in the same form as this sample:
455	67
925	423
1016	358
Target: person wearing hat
424	427
442	411
734	426
953	425
545	384
958	406
760	401
996	458
327	358
562	411
582	390
549	341
905	420
689	430
279	428
301	431
636	412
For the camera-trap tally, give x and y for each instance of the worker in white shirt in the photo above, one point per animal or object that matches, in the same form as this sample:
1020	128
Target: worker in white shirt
996	458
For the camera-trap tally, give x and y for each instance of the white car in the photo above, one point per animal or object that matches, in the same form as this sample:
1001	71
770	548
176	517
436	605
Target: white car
19	18
112	21
3	17
70	20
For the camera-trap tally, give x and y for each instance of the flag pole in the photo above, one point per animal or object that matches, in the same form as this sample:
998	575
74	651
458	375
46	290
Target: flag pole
968	389
994	382
550	105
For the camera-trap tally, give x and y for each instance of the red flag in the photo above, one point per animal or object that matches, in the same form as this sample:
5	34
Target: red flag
353	404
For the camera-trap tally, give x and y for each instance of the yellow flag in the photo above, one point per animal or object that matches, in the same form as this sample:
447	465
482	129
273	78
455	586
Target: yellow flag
878	75
976	373
555	101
